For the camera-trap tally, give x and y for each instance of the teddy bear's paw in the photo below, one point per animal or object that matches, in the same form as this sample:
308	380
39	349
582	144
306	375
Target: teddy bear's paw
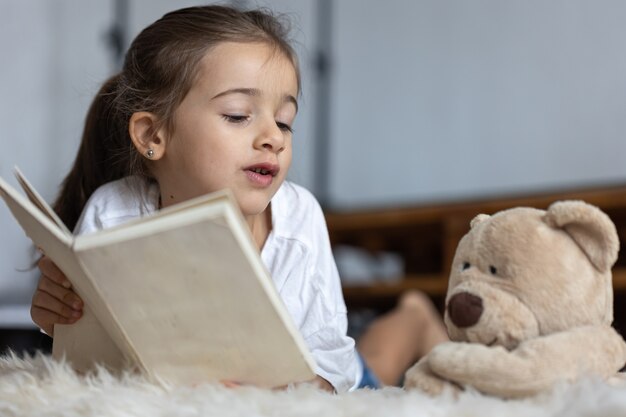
420	377
617	380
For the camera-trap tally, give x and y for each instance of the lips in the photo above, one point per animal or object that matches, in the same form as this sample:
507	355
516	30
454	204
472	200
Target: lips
262	175
264	169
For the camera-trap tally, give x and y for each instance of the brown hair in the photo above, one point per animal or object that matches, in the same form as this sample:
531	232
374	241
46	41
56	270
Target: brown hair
159	69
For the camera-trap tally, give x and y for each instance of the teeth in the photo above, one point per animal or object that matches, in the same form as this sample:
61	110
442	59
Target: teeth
260	171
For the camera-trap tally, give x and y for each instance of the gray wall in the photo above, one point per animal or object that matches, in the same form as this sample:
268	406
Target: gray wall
453	99
430	100
52	64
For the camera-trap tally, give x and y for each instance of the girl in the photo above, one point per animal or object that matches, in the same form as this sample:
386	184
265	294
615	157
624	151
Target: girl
205	101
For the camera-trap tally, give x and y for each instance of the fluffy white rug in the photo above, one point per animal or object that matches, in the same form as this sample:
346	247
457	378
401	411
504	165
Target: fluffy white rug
40	386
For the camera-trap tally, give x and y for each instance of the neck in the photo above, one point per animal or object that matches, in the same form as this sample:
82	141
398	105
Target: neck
260	226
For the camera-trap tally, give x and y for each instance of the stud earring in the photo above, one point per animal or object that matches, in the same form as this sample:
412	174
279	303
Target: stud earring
149	153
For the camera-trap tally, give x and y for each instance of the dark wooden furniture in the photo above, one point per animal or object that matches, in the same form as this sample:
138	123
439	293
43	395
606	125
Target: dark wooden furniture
426	237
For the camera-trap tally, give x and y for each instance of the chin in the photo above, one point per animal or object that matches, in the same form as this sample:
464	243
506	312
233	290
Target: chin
252	208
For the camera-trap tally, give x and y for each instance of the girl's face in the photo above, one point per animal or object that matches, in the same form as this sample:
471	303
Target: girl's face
233	129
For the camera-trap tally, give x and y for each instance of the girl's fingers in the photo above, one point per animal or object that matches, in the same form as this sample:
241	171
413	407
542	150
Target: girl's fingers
45	301
66	296
46	319
54	302
230	384
50	270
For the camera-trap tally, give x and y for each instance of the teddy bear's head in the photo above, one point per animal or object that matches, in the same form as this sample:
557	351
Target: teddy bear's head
523	272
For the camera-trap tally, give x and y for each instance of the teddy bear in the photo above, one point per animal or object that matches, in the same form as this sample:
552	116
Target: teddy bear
529	304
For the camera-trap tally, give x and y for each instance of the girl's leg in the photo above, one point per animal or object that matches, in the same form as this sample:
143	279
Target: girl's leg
397	339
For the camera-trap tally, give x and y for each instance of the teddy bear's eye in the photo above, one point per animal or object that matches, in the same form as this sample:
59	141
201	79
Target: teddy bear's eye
465	266
493	270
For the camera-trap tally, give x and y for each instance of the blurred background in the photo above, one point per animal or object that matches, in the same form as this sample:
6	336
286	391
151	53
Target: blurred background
404	103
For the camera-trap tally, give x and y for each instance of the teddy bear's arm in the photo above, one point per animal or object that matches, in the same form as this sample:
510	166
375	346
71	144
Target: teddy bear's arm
419	376
535	365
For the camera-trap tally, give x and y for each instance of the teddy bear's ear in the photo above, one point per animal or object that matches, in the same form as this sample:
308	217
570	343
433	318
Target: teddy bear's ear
478	219
590	228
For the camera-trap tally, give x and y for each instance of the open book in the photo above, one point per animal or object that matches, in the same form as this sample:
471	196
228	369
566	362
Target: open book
182	294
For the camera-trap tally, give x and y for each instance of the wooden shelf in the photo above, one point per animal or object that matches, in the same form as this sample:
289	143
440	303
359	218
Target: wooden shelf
385	294
426	237
619	279
608	198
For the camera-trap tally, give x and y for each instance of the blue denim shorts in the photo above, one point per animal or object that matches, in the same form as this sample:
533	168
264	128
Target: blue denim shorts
369	379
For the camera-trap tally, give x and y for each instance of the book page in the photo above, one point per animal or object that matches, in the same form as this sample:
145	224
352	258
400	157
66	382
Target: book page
38	201
40	228
195	300
57	245
86	343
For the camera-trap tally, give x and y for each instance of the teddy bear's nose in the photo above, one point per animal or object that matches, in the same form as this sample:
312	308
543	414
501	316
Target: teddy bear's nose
465	309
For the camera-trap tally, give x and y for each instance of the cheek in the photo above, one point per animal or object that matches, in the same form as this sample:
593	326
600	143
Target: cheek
286	156
287	162
209	151
201	170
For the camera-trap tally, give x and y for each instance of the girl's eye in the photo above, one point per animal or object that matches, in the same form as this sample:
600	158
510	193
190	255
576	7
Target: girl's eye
235	118
465	266
284	127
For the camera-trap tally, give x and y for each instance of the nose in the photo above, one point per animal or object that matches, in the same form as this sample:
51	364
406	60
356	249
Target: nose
465	309
270	137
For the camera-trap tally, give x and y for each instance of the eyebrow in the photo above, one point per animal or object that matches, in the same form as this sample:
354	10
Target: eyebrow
254	92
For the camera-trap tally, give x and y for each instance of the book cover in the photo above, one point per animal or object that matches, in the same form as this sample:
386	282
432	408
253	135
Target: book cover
182	294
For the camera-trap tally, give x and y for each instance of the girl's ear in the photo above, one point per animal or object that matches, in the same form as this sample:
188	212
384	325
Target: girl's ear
149	140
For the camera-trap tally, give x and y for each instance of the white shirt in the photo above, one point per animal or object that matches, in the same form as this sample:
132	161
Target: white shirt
297	254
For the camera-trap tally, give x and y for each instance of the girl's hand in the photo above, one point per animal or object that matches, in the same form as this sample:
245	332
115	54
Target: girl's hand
54	301
231	384
323	384
318	381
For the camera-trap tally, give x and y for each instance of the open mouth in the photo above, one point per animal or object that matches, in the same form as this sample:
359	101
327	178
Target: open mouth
264	169
262	175
261	171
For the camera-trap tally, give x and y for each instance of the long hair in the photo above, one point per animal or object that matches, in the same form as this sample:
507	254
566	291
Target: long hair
159	69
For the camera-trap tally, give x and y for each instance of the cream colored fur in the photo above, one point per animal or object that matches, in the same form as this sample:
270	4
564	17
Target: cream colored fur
41	386
543	282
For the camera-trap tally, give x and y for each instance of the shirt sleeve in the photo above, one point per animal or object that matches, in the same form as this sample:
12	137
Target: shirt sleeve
333	350
89	220
335	355
116	203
